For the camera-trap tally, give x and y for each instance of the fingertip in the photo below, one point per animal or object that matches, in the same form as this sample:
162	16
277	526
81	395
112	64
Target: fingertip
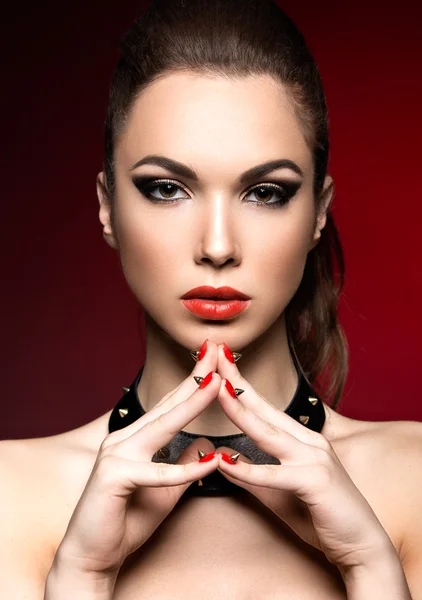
207	457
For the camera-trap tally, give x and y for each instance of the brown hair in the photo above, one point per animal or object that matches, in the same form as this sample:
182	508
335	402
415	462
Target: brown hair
238	38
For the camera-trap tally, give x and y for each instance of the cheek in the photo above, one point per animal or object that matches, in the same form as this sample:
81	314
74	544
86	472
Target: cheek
148	251
280	257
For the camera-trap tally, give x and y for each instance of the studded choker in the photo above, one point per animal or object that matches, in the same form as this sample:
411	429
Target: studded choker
305	407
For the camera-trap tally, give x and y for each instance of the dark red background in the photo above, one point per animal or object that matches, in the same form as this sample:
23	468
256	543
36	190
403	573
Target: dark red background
71	335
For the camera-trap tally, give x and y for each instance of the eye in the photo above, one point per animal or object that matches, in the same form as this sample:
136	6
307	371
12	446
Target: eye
263	192
146	185
266	190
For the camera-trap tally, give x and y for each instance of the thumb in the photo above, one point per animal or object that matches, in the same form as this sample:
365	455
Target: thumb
253	489
163	499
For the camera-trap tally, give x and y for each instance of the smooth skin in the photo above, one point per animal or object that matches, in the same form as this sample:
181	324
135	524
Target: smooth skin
127	495
215	234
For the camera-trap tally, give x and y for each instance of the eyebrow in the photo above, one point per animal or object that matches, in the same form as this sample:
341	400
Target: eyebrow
184	171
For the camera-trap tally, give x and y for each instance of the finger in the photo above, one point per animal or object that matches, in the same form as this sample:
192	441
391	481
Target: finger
276	442
228	452
251	399
179	394
151	496
159	432
122	476
161	500
292	478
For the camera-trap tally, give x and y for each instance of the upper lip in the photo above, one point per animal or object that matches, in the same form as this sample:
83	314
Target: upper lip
207	291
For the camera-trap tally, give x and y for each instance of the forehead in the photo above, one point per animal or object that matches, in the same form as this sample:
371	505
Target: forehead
185	112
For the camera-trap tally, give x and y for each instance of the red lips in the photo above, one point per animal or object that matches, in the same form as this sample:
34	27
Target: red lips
221	293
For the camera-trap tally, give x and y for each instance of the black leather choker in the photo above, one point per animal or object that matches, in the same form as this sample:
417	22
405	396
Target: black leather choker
305	407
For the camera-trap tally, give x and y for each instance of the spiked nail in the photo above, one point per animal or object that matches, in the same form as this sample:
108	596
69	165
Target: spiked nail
233	392
227	353
235	457
199	354
201	455
208	457
227	458
206	381
231	356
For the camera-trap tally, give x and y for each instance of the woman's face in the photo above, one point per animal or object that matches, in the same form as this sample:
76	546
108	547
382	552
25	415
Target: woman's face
212	229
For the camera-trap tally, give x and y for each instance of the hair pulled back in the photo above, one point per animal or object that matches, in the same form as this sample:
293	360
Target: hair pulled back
236	39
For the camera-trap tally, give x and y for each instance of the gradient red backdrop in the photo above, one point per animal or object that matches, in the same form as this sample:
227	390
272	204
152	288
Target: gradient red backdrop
71	327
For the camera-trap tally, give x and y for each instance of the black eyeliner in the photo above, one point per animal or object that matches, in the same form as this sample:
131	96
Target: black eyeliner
145	183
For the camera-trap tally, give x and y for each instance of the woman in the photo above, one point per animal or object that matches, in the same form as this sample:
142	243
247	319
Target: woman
234	478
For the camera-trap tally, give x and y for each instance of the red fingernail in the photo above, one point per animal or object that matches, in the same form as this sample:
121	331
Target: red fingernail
228	353
203	350
207	457
206	380
227	458
230	389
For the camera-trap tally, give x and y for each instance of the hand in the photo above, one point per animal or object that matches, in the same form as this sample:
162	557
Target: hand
127	495
326	510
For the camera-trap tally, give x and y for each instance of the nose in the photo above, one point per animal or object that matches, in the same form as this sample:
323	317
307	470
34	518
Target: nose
218	233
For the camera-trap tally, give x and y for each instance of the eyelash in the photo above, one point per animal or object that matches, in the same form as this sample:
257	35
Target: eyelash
147	184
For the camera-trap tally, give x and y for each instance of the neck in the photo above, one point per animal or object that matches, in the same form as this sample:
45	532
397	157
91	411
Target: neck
266	364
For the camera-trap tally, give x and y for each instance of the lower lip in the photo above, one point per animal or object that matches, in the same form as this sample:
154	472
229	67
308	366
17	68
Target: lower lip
215	309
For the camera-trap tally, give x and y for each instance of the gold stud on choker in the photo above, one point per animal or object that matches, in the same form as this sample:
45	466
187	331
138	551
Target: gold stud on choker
306	407
124	411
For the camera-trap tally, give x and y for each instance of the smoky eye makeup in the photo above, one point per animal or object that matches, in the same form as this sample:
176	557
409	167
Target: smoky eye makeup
269	194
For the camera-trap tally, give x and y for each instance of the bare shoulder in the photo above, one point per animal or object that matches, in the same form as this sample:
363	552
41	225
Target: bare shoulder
58	460
397	473
384	460
401	442
39	471
389	450
42	481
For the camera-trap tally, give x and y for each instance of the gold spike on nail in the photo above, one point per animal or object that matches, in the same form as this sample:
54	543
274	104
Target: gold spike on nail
126	389
161	453
235	457
123	412
304	419
201	455
313	400
194	354
238	391
237	356
198	379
